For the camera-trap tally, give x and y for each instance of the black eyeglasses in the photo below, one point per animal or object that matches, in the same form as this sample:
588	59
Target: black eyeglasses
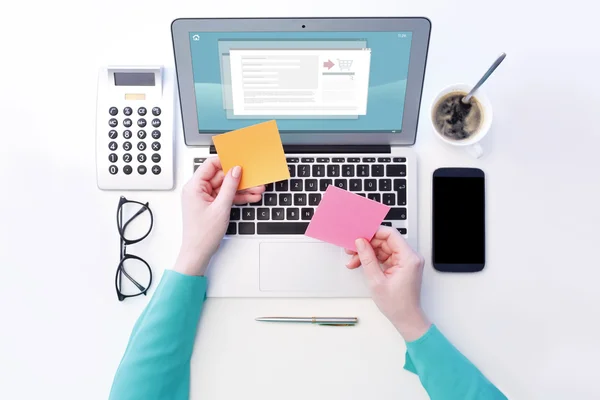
133	230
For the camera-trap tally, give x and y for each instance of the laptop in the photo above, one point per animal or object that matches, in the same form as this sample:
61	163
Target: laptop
345	93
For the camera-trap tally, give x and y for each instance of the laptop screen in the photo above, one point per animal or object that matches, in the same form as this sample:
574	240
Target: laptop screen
333	82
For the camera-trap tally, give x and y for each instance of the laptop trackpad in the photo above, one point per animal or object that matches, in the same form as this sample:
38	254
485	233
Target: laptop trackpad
306	267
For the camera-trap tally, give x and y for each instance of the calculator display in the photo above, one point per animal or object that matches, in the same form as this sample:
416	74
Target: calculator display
134	79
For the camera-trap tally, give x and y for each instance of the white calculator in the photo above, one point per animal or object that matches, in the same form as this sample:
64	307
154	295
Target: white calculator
134	128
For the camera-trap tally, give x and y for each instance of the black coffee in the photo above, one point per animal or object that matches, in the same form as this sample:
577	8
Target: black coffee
455	119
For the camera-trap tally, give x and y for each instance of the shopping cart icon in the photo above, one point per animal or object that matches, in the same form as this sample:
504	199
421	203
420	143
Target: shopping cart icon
345	64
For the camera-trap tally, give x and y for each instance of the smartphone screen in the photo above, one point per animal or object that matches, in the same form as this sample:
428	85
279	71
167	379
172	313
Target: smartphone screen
458	219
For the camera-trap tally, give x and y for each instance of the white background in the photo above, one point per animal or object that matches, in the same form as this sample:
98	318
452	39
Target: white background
530	321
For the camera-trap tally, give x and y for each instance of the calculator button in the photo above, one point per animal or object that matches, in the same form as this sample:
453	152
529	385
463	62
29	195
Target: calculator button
141	134
113	169
112	157
113	146
156	122
156	157
156	146
142	169
127	146
141	122
113	134
127	123
127	157
113	111
127	111
127	169
127	134
142	111
113	122
156	111
156	134
156	170
141	146
141	158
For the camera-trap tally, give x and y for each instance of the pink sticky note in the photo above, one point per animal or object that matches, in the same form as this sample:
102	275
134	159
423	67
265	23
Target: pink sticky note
342	217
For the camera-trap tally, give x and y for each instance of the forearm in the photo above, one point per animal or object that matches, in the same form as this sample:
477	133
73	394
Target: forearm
444	372
156	362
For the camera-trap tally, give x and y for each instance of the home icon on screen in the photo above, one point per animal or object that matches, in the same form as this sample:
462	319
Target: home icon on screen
195	38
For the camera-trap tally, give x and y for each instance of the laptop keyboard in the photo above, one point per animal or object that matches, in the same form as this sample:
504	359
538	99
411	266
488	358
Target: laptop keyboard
288	206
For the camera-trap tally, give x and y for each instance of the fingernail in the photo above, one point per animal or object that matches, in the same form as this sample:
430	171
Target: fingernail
236	171
360	245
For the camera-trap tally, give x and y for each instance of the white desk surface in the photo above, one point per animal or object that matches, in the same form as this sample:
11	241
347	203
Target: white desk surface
530	320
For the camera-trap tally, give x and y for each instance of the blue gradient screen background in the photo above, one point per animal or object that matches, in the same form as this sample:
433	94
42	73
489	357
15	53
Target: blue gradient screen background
390	56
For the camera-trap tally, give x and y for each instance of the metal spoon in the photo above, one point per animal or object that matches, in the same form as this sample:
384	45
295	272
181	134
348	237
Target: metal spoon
484	78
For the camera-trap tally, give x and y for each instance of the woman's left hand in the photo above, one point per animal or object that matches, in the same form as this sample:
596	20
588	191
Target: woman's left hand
206	202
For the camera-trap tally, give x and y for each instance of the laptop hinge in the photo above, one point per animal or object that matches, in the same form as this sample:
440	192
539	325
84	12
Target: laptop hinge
336	148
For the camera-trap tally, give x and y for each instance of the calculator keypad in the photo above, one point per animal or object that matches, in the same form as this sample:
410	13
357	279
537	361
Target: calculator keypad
128	120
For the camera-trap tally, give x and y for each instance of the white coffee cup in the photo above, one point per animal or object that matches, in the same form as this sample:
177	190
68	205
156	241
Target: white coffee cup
470	144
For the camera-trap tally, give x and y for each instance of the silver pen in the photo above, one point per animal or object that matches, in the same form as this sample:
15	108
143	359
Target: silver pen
331	321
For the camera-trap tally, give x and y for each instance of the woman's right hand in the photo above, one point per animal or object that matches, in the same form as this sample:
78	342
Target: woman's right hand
394	272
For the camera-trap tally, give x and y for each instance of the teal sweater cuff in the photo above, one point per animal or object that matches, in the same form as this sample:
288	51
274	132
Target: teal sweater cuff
156	362
417	344
445	373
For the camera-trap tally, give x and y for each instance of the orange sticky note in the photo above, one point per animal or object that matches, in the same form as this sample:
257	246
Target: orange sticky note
258	150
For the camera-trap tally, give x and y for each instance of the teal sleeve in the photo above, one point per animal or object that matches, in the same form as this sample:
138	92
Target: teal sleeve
444	372
156	363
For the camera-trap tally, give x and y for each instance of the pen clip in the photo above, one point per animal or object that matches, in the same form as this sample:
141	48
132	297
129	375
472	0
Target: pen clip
333	324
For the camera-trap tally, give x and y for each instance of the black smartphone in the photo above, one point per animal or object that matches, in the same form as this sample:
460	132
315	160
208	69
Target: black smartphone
458	220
